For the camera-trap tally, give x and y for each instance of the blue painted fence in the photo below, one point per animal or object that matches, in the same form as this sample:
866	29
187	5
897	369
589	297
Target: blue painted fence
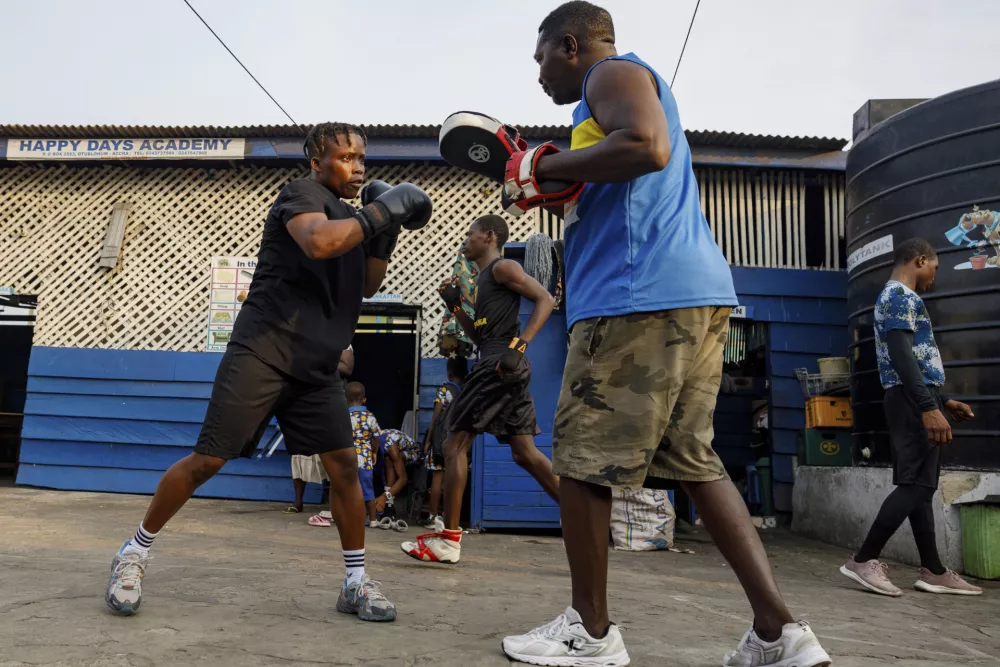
807	316
114	420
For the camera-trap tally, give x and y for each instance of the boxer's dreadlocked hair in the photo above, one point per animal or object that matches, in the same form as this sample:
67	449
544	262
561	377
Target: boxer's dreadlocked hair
315	143
495	224
585	21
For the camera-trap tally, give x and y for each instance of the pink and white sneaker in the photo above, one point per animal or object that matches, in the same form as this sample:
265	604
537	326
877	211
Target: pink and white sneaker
873	575
948	583
441	547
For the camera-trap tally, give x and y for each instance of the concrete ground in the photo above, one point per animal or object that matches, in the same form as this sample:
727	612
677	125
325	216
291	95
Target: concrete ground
241	584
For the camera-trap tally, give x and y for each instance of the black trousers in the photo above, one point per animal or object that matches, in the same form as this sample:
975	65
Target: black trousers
916	469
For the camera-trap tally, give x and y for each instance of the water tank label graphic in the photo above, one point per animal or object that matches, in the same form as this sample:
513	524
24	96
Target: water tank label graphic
977	222
882	246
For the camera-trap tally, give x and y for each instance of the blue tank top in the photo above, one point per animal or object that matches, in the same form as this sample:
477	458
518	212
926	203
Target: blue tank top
641	245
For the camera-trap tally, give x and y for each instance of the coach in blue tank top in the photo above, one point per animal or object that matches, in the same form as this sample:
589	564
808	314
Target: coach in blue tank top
641	244
648	294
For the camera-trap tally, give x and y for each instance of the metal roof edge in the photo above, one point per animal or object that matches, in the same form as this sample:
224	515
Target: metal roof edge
695	137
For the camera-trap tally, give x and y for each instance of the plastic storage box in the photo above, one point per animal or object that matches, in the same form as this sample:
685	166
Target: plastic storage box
829	412
981	540
826	447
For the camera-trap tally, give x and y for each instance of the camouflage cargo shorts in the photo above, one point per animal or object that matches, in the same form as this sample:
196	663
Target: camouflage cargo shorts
638	397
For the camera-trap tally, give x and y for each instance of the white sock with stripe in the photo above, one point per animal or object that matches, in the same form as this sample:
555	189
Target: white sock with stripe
142	541
355	562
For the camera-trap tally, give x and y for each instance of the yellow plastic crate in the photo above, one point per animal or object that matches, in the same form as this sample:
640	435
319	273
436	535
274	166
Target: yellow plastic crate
829	412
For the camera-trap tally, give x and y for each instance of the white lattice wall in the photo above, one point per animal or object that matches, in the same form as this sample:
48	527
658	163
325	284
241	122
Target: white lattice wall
53	221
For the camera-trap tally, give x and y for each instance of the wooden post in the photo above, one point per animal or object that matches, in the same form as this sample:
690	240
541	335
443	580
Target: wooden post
111	252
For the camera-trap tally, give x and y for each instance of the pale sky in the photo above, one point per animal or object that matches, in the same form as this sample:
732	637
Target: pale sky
789	67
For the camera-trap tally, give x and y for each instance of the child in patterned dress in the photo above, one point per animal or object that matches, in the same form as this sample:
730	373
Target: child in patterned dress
366	443
398	451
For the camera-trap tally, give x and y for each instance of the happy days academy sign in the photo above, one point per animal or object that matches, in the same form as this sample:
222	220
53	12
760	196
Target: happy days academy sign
124	149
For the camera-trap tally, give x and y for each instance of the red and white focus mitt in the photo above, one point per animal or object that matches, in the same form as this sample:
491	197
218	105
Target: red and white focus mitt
483	145
521	188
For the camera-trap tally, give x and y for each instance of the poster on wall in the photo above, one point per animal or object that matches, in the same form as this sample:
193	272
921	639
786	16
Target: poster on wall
230	283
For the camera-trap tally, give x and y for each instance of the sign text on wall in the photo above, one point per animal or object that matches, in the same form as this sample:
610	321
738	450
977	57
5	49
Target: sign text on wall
124	149
742	313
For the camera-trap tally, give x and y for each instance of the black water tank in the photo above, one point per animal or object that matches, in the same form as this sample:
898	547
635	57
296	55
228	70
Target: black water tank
932	171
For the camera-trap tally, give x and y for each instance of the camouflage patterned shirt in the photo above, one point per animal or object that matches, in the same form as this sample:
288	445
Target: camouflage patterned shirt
452	338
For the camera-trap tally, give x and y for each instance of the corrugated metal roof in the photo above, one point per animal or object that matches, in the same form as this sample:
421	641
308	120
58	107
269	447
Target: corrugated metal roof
695	137
739	140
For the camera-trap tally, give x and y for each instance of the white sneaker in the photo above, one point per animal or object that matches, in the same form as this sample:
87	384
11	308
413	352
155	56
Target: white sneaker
564	643
124	592
435	523
797	647
365	599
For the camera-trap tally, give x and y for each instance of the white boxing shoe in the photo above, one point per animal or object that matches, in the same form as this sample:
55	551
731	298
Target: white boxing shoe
442	547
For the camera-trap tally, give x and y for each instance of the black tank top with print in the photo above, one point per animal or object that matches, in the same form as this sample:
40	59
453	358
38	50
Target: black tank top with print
496	311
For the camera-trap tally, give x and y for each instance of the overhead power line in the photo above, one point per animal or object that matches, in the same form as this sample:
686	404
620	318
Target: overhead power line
680	57
244	66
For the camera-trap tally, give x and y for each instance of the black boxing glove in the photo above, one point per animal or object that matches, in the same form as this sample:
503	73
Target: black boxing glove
512	360
405	205
452	295
373	190
382	245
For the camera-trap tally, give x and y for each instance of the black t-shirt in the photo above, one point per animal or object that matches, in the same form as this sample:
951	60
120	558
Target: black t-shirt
496	311
300	313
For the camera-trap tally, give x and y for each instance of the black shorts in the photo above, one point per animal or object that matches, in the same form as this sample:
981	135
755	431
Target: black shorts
487	404
248	392
915	459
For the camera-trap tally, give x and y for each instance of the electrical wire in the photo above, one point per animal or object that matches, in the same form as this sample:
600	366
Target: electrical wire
241	62
681	56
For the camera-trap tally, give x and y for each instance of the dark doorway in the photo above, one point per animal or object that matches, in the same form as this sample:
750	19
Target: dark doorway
386	360
17	320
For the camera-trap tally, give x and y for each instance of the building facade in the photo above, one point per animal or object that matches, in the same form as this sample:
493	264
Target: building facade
113	232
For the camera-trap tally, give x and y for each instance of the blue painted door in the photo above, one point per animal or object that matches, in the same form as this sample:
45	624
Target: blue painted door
504	495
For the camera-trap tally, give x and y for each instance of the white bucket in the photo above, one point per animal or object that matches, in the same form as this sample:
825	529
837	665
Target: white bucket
833	367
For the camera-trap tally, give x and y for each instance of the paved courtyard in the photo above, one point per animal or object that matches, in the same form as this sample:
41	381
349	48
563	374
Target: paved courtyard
239	584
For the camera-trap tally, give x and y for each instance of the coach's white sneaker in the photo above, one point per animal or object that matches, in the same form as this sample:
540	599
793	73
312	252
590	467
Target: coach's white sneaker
796	647
564	643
